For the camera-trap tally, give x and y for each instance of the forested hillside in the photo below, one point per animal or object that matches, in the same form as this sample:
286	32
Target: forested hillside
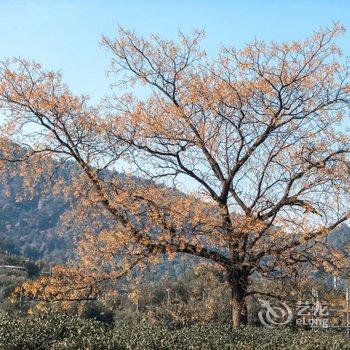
30	227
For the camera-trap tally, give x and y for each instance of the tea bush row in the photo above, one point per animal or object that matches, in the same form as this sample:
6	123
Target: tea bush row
61	332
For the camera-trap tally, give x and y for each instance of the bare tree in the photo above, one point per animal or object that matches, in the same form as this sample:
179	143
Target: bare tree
256	132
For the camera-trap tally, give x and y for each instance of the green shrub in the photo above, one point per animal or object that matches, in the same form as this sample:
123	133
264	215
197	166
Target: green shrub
95	310
41	332
52	331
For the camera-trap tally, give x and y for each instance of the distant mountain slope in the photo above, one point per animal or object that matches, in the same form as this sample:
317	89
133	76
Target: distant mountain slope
340	238
30	227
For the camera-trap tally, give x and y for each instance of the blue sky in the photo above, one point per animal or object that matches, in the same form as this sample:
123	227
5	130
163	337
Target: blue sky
65	34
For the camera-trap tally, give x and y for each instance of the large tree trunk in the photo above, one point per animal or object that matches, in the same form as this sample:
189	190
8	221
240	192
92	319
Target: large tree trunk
239	312
238	305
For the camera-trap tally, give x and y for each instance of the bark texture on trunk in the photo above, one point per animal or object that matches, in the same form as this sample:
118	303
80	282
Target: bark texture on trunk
238	307
238	280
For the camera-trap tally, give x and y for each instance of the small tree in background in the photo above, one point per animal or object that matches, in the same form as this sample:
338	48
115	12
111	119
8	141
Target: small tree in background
255	134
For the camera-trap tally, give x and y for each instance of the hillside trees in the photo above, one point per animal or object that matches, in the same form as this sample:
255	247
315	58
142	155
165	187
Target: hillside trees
254	134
